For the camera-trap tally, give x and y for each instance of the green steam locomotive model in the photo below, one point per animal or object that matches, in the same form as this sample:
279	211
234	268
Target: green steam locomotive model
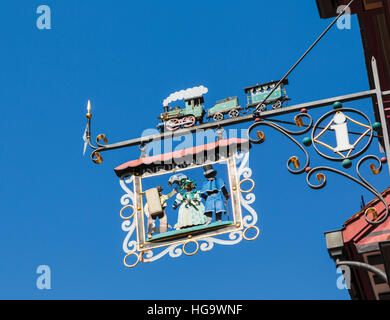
194	111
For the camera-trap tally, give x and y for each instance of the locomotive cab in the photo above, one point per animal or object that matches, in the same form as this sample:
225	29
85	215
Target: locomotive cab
194	102
192	113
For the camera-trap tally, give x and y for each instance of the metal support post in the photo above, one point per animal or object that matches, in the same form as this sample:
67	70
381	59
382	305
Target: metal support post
381	109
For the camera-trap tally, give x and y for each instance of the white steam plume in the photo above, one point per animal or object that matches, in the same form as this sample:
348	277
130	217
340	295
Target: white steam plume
186	94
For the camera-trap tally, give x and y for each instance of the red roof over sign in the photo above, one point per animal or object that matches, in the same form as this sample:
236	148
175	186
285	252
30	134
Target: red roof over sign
227	145
358	231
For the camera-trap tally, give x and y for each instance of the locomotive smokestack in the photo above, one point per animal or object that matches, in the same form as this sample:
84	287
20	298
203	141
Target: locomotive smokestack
166	108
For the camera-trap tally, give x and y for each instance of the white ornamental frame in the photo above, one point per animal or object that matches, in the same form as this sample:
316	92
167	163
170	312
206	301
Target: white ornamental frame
129	225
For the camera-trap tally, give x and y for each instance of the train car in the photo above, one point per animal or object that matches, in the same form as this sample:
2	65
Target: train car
227	106
176	117
193	113
256	94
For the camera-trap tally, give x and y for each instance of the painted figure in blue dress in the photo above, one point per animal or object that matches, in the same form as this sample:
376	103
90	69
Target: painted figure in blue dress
191	210
215	193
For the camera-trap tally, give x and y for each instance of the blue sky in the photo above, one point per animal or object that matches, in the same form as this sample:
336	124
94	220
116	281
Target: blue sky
62	210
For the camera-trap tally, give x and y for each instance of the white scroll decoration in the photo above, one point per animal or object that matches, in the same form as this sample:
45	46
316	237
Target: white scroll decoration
246	172
205	244
129	226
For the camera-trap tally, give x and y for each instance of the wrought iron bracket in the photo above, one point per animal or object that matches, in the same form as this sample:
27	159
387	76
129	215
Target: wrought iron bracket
365	266
293	163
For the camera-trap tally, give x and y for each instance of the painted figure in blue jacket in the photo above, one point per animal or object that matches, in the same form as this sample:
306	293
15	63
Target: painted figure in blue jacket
215	194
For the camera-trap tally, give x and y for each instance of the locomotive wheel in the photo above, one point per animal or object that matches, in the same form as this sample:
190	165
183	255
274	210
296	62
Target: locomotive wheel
218	117
277	104
234	113
188	121
173	124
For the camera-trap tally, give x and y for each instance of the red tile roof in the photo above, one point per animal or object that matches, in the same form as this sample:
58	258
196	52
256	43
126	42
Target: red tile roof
357	229
227	144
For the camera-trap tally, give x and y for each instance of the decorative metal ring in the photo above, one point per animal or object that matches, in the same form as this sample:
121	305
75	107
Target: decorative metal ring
129	254
96	157
246	191
192	253
101	137
261	136
254	237
298	120
352	156
295	161
374	213
288	134
125	207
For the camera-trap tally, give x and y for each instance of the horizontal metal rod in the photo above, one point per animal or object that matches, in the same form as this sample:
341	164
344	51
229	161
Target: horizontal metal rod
238	120
320	127
386	93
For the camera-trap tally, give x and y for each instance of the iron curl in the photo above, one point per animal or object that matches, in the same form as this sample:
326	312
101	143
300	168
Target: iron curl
288	133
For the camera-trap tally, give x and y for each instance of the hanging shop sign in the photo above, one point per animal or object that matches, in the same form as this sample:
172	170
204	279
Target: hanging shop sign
190	199
187	200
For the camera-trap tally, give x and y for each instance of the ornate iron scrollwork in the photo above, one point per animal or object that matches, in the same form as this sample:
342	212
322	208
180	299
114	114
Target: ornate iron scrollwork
339	126
294	160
